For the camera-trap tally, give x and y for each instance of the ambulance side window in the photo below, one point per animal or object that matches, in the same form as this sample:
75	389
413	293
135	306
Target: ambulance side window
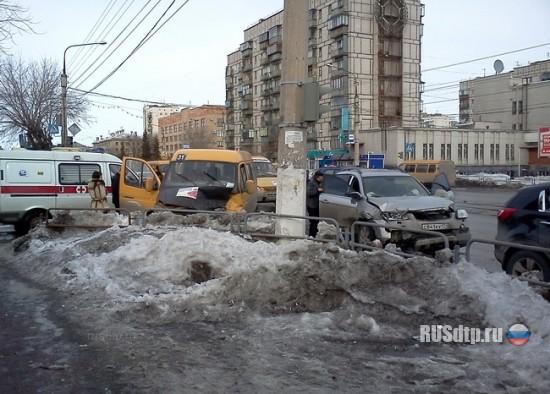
76	174
113	169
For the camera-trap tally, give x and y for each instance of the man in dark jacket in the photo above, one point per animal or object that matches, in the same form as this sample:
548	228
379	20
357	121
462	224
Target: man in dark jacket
116	189
314	188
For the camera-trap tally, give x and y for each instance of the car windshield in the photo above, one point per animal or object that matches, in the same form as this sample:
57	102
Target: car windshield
201	173
263	169
392	186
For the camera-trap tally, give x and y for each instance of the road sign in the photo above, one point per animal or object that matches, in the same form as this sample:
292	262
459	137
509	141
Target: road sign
544	142
74	129
53	129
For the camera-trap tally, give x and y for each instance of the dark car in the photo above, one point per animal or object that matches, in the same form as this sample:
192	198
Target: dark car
525	219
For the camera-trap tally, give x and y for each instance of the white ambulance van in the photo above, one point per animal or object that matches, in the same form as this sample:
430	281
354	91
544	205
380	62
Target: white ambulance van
31	182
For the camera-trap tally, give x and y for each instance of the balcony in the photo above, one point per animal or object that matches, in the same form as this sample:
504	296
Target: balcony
338	31
229	81
266	76
265	60
267	91
246	49
267	107
275	48
264	37
337	8
229	104
312	18
247	67
245	105
276	56
276	89
339	49
275	72
312	42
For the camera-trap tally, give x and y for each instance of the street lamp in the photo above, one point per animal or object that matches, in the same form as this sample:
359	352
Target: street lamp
356	112
64	138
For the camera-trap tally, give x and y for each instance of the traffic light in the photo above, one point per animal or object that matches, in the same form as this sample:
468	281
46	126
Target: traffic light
313	93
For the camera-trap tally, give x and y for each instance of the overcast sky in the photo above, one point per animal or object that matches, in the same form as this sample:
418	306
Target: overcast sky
185	61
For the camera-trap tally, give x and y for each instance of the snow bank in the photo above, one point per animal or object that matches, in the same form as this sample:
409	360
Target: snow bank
161	275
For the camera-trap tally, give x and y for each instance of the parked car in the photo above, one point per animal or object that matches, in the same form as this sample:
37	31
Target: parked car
266	177
391	197
525	219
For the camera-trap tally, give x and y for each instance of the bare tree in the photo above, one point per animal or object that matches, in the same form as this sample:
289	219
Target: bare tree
13	20
30	100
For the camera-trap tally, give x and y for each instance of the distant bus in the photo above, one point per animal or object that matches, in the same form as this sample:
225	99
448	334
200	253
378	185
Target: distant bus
427	170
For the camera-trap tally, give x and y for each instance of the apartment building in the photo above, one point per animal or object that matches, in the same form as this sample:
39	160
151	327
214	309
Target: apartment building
152	114
120	143
198	128
515	100
367	52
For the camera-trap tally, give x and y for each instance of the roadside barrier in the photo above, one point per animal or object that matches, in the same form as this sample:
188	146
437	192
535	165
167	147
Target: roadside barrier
50	220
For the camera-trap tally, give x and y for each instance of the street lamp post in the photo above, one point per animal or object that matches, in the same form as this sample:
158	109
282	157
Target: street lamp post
64	138
356	112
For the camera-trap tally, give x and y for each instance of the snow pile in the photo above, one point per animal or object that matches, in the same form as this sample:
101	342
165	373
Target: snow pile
158	276
88	218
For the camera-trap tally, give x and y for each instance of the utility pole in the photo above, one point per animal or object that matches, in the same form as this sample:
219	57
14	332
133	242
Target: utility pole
291	172
357	123
64	139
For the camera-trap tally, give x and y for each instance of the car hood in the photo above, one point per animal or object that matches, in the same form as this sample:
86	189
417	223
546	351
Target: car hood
410	203
267	182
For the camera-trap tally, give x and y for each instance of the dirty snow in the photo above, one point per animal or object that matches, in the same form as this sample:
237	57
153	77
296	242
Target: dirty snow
352	314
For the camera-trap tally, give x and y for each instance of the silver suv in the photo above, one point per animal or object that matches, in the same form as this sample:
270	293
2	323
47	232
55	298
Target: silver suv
391	197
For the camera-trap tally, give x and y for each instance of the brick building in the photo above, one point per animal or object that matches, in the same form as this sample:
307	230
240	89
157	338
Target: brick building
120	143
197	128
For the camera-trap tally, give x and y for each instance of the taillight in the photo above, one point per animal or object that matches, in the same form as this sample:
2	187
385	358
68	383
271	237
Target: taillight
506	213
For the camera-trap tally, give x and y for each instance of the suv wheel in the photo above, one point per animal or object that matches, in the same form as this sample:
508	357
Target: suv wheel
365	235
529	264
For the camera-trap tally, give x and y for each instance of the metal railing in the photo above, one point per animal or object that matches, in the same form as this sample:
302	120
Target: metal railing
339	237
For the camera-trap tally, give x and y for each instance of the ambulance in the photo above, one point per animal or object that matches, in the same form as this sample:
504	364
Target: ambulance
31	182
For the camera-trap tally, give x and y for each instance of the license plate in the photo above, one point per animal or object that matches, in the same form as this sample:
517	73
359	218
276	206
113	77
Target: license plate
435	226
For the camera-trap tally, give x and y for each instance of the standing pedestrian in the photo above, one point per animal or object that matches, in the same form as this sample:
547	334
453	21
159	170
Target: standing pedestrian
115	181
96	188
314	188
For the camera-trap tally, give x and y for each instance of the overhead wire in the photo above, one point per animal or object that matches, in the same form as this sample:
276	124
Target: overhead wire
90	50
146	38
112	42
128	98
106	10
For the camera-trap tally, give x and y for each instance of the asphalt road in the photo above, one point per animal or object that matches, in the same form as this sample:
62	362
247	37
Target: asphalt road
482	206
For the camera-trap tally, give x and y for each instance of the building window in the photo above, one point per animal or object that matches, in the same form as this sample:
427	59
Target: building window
507	152
442	151
203	122
76	174
497	152
337	21
465	153
514	126
481	153
338	83
476	152
459	153
449	152
431	155
512	152
425	151
514	107
492	152
521	126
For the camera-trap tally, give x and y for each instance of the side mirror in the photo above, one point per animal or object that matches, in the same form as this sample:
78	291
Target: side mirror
251	187
355	195
149	184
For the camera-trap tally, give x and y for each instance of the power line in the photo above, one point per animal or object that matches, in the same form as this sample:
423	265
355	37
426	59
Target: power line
104	34
106	10
88	51
128	99
486	57
146	38
113	41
